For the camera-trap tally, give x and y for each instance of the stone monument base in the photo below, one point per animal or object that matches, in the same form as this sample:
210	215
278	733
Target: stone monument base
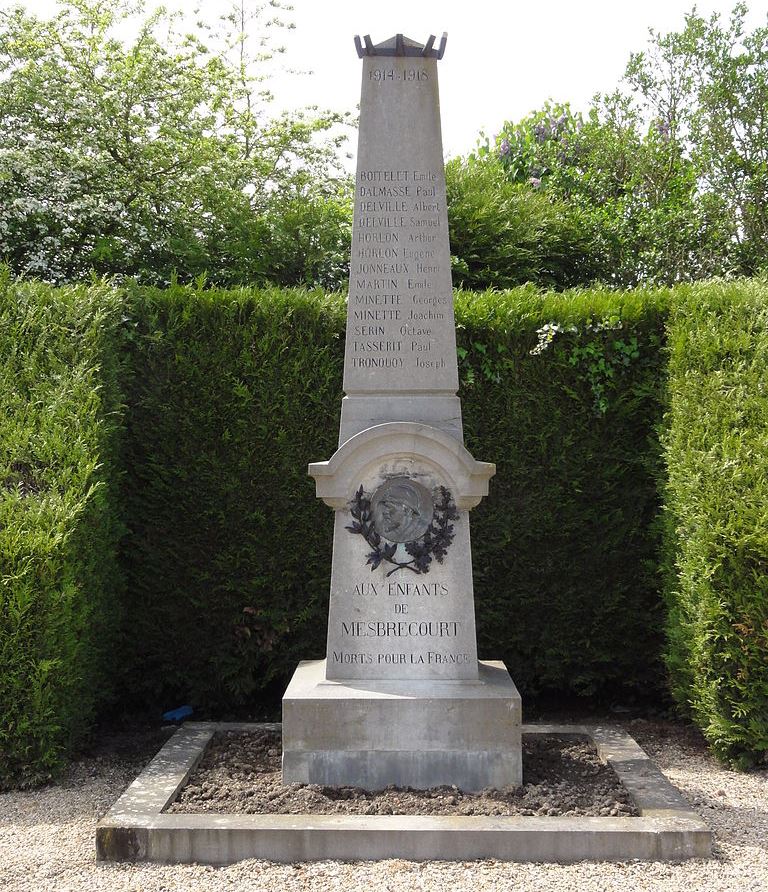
407	733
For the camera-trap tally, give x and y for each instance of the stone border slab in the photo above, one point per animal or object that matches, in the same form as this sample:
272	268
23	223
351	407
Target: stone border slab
136	829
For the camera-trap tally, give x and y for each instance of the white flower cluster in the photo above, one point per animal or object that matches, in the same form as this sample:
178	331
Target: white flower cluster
546	334
48	220
613	323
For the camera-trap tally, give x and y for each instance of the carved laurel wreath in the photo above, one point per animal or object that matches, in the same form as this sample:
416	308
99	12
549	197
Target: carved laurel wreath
433	543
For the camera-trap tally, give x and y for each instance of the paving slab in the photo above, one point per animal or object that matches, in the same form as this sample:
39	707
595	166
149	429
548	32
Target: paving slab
137	829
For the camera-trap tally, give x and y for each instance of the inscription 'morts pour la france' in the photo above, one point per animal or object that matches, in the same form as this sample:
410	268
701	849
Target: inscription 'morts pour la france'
400	325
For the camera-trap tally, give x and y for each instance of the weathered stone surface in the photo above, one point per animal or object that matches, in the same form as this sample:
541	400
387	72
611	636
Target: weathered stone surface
359	455
137	829
393	622
401	483
401	339
400	366
408	733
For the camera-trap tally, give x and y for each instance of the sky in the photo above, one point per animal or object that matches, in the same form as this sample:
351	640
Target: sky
503	58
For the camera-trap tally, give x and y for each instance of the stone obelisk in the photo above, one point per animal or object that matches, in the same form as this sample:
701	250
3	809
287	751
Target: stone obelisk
401	697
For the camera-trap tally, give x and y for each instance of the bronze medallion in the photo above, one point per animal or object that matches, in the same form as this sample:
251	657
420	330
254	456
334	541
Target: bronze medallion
402	509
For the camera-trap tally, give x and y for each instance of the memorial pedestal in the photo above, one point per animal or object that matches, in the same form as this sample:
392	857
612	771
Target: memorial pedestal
408	733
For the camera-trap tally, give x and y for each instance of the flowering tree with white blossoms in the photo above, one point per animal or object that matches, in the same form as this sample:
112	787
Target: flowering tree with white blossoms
155	156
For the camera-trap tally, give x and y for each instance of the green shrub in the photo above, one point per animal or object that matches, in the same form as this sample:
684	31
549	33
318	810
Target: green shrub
232	394
172	549
565	545
646	209
60	586
716	446
505	234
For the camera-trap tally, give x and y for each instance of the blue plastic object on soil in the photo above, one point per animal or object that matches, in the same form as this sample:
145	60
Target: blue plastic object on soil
176	715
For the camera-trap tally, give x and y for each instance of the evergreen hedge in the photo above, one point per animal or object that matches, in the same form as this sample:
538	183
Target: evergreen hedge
60	583
161	541
565	546
233	393
716	529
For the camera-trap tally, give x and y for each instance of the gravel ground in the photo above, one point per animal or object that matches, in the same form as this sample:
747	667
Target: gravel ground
47	840
240	773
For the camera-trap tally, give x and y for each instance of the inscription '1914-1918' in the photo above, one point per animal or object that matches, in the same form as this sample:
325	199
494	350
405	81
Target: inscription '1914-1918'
405	75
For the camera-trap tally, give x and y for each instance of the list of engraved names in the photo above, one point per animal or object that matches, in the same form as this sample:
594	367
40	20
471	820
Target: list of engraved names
399	302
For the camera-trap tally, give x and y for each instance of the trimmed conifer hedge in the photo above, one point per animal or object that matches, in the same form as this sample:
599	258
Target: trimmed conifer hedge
716	498
565	546
60	582
160	539
233	393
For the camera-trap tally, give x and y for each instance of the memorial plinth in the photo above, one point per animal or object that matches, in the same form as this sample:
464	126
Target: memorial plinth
401	697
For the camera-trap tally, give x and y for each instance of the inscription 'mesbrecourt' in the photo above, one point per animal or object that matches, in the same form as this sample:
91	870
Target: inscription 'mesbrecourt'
402	629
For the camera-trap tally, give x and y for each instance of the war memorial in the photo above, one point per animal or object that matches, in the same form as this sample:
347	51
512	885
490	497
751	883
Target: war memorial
401	698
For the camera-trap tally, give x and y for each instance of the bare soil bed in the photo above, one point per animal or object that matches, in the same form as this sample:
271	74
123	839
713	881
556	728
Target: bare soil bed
562	775
46	834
